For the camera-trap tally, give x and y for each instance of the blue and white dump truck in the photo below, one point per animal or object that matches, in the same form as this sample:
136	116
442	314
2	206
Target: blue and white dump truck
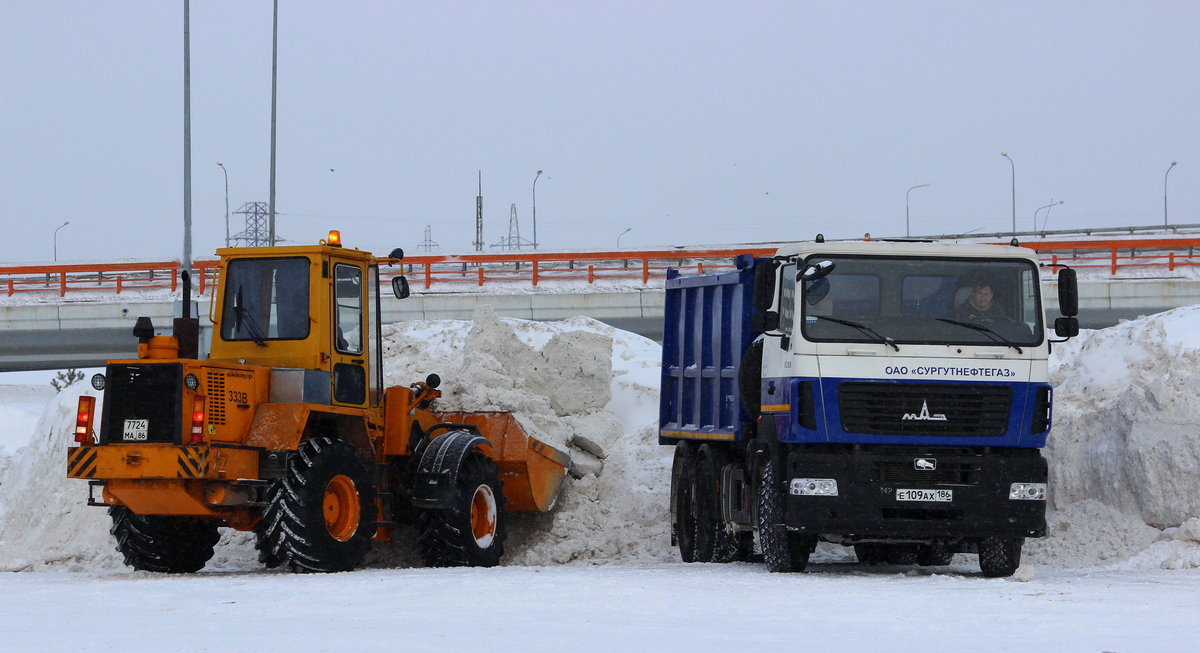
890	396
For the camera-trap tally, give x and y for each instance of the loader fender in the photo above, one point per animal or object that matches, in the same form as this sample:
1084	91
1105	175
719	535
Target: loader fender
436	477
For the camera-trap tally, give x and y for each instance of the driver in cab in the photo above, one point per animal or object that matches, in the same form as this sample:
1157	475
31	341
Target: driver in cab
980	307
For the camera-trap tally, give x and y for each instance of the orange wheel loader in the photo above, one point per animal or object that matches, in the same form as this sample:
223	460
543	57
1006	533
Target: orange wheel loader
285	429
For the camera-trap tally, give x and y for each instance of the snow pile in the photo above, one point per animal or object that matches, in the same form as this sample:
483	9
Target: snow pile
579	385
44	519
1127	418
1176	548
1087	534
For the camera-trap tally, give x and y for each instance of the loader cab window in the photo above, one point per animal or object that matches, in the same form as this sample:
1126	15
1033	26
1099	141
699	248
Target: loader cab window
265	299
348	296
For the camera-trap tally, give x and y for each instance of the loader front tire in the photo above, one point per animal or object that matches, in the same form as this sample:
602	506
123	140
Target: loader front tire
168	544
471	531
321	515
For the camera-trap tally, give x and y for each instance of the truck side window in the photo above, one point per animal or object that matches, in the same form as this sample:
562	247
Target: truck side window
787	298
347	284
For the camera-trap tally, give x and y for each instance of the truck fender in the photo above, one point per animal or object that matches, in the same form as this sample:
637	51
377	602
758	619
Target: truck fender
436	477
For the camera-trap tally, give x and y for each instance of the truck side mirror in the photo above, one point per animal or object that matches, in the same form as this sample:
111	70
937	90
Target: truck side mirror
1066	327
817	271
400	286
764	319
816	291
1068	295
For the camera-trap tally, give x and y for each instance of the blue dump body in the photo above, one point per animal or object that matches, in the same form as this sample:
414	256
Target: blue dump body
707	318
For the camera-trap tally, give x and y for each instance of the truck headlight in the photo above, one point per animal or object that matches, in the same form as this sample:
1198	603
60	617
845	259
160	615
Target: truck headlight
1028	491
814	487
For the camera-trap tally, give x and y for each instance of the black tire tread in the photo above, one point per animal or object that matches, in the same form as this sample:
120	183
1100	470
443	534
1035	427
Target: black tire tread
999	557
446	539
167	544
293	530
784	551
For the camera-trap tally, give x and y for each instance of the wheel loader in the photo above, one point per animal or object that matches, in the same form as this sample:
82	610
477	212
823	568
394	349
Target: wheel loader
286	429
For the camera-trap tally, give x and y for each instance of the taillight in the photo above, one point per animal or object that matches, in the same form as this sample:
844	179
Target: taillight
197	419
83	419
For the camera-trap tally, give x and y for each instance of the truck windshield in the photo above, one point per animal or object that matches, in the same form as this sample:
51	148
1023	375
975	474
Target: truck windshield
265	299
922	301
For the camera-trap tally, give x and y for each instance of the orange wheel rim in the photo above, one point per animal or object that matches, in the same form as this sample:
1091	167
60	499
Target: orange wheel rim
341	508
483	516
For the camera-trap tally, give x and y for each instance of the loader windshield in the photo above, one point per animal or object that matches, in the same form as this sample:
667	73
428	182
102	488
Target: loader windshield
265	299
912	300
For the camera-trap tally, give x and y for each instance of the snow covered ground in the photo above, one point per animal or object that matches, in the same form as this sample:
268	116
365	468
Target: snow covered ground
1119	572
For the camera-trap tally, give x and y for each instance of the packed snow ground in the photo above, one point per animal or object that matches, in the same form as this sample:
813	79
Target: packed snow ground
599	572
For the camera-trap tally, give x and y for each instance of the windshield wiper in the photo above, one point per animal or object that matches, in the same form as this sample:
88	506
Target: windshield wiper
240	313
996	337
865	329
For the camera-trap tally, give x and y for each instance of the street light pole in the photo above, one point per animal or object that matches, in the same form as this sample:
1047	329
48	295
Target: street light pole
622	234
906	229
1165	191
1047	207
535	178
56	240
226	202
1014	190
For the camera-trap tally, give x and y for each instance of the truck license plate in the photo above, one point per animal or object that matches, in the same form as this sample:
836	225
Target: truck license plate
135	429
925	495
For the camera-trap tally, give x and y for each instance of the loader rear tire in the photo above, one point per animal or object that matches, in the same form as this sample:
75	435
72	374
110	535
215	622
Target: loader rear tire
168	544
783	550
321	515
470	532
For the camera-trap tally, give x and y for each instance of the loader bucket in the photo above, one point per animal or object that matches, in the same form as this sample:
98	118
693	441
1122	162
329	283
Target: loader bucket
532	470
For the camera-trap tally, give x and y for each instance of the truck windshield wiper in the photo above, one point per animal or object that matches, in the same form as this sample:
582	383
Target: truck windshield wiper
996	337
865	329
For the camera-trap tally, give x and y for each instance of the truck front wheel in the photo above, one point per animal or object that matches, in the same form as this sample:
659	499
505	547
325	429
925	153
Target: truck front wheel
471	531
167	544
321	515
999	557
783	550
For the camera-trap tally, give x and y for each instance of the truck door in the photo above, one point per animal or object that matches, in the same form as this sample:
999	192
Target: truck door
349	334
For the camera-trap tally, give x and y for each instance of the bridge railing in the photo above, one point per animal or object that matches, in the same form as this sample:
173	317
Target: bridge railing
472	271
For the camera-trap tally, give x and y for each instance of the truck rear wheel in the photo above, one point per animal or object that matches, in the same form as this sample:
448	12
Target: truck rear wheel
871	553
470	532
783	550
999	557
321	515
167	544
713	542
938	554
683	488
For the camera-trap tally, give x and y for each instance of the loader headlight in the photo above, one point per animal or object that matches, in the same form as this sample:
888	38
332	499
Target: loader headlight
191	382
1027	491
814	487
98	381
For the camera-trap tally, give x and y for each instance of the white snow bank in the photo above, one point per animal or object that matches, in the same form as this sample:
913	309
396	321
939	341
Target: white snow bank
1127	418
21	407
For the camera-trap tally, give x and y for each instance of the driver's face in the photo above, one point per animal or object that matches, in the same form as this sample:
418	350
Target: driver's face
983	296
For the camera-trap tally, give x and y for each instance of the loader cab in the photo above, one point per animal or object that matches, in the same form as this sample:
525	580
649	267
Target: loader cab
305	312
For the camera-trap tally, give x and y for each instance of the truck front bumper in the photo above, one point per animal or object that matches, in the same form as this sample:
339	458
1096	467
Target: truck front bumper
869	488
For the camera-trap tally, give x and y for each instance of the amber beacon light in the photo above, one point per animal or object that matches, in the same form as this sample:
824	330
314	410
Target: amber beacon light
335	238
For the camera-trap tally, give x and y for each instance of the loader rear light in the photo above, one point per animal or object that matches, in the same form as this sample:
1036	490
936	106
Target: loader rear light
83	419
198	419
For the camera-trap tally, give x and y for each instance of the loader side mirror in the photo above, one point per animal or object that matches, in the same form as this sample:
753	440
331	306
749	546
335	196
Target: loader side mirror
1066	327
1068	294
400	287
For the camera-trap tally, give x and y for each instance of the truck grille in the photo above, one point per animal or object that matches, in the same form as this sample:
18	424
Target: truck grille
924	409
903	471
151	392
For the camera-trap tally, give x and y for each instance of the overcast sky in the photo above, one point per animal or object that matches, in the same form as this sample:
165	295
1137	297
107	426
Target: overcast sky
691	122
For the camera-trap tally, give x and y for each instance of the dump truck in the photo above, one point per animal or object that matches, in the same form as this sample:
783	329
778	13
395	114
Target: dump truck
285	429
892	397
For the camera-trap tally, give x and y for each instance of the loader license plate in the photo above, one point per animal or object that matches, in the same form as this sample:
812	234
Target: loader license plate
135	429
925	495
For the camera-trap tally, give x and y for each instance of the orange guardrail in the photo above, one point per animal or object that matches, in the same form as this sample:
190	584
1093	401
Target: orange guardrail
478	270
